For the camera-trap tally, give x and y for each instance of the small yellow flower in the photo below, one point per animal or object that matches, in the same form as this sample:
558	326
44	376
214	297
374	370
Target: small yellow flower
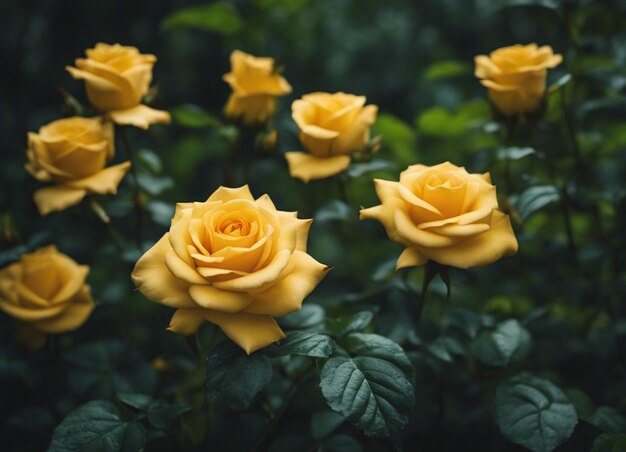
332	126
515	76
234	261
255	85
445	214
46	292
72	153
116	78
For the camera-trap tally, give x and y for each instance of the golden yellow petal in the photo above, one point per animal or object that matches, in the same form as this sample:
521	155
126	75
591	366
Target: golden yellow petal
307	167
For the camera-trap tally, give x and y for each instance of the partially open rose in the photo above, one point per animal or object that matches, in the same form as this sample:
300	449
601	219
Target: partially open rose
445	214
117	77
72	153
46	291
332	126
234	261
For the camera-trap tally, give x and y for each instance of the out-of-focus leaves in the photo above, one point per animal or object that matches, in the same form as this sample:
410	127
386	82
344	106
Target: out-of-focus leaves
607	419
98	426
439	122
219	17
536	198
309	316
160	413
533	413
444	348
335	210
234	377
369	390
344	325
582	402
150	160
340	443
359	169
306	343
447	69
397	136
510	341
13	254
101	369
194	116
160	212
610	442
324	423
289	443
514	153
561	82
154	185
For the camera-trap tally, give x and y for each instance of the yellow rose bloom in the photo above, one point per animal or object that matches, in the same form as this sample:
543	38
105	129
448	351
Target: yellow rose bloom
515	76
46	291
332	126
234	261
445	214
116	78
255	84
72	153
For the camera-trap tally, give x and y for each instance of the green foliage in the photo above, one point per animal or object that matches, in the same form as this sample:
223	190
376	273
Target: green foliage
219	17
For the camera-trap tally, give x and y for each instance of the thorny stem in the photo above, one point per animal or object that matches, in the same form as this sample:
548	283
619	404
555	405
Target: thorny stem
137	190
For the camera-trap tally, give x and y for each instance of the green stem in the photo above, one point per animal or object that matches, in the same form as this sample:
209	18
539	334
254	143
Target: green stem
342	184
99	211
137	189
563	196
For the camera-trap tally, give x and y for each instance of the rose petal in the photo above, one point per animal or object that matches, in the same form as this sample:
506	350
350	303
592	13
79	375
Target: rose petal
75	314
307	167
186	321
181	270
60	197
103	182
410	257
219	300
140	116
259	278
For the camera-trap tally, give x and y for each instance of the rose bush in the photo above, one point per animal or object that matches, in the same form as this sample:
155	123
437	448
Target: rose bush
443	213
515	76
46	291
234	261
332	126
72	153
116	78
255	85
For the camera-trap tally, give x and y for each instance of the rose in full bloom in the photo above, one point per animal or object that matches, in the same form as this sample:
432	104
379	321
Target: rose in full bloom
46	291
515	76
445	214
117	77
234	261
332	126
72	153
255	85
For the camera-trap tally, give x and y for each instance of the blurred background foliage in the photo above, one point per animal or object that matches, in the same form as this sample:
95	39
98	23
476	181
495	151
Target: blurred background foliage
415	61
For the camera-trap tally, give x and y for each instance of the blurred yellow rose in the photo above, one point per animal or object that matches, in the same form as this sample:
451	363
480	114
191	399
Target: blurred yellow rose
73	152
234	261
443	213
117	77
515	76
332	126
46	292
255	84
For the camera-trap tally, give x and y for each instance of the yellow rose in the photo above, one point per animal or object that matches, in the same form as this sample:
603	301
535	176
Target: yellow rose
234	261
255	84
46	291
443	213
332	126
515	76
117	77
72	152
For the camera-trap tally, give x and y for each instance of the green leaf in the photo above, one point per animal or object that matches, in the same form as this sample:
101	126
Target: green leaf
607	419
580	400
290	443
536	198
561	82
234	377
154	185
447	69
219	17
160	212
150	160
344	325
137	401
97	426
610	442
101	369
324	423
533	413
370	388
333	211
514	153
397	136
164	415
510	341
340	443
306	343
444	347
194	116
359	169
309	316
14	253
439	122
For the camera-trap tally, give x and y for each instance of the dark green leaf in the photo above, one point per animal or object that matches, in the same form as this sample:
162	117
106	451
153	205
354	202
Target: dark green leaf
536	198
359	169
97	426
290	443
160	212
234	377
137	401
340	443
333	211
580	400
309	316
610	442
307	343
445	347
375	346
193	116
324	423
534	413
101	369
344	325
447	69
510	341
515	153
397	136
608	420
150	160
154	185
220	17
163	415
564	80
